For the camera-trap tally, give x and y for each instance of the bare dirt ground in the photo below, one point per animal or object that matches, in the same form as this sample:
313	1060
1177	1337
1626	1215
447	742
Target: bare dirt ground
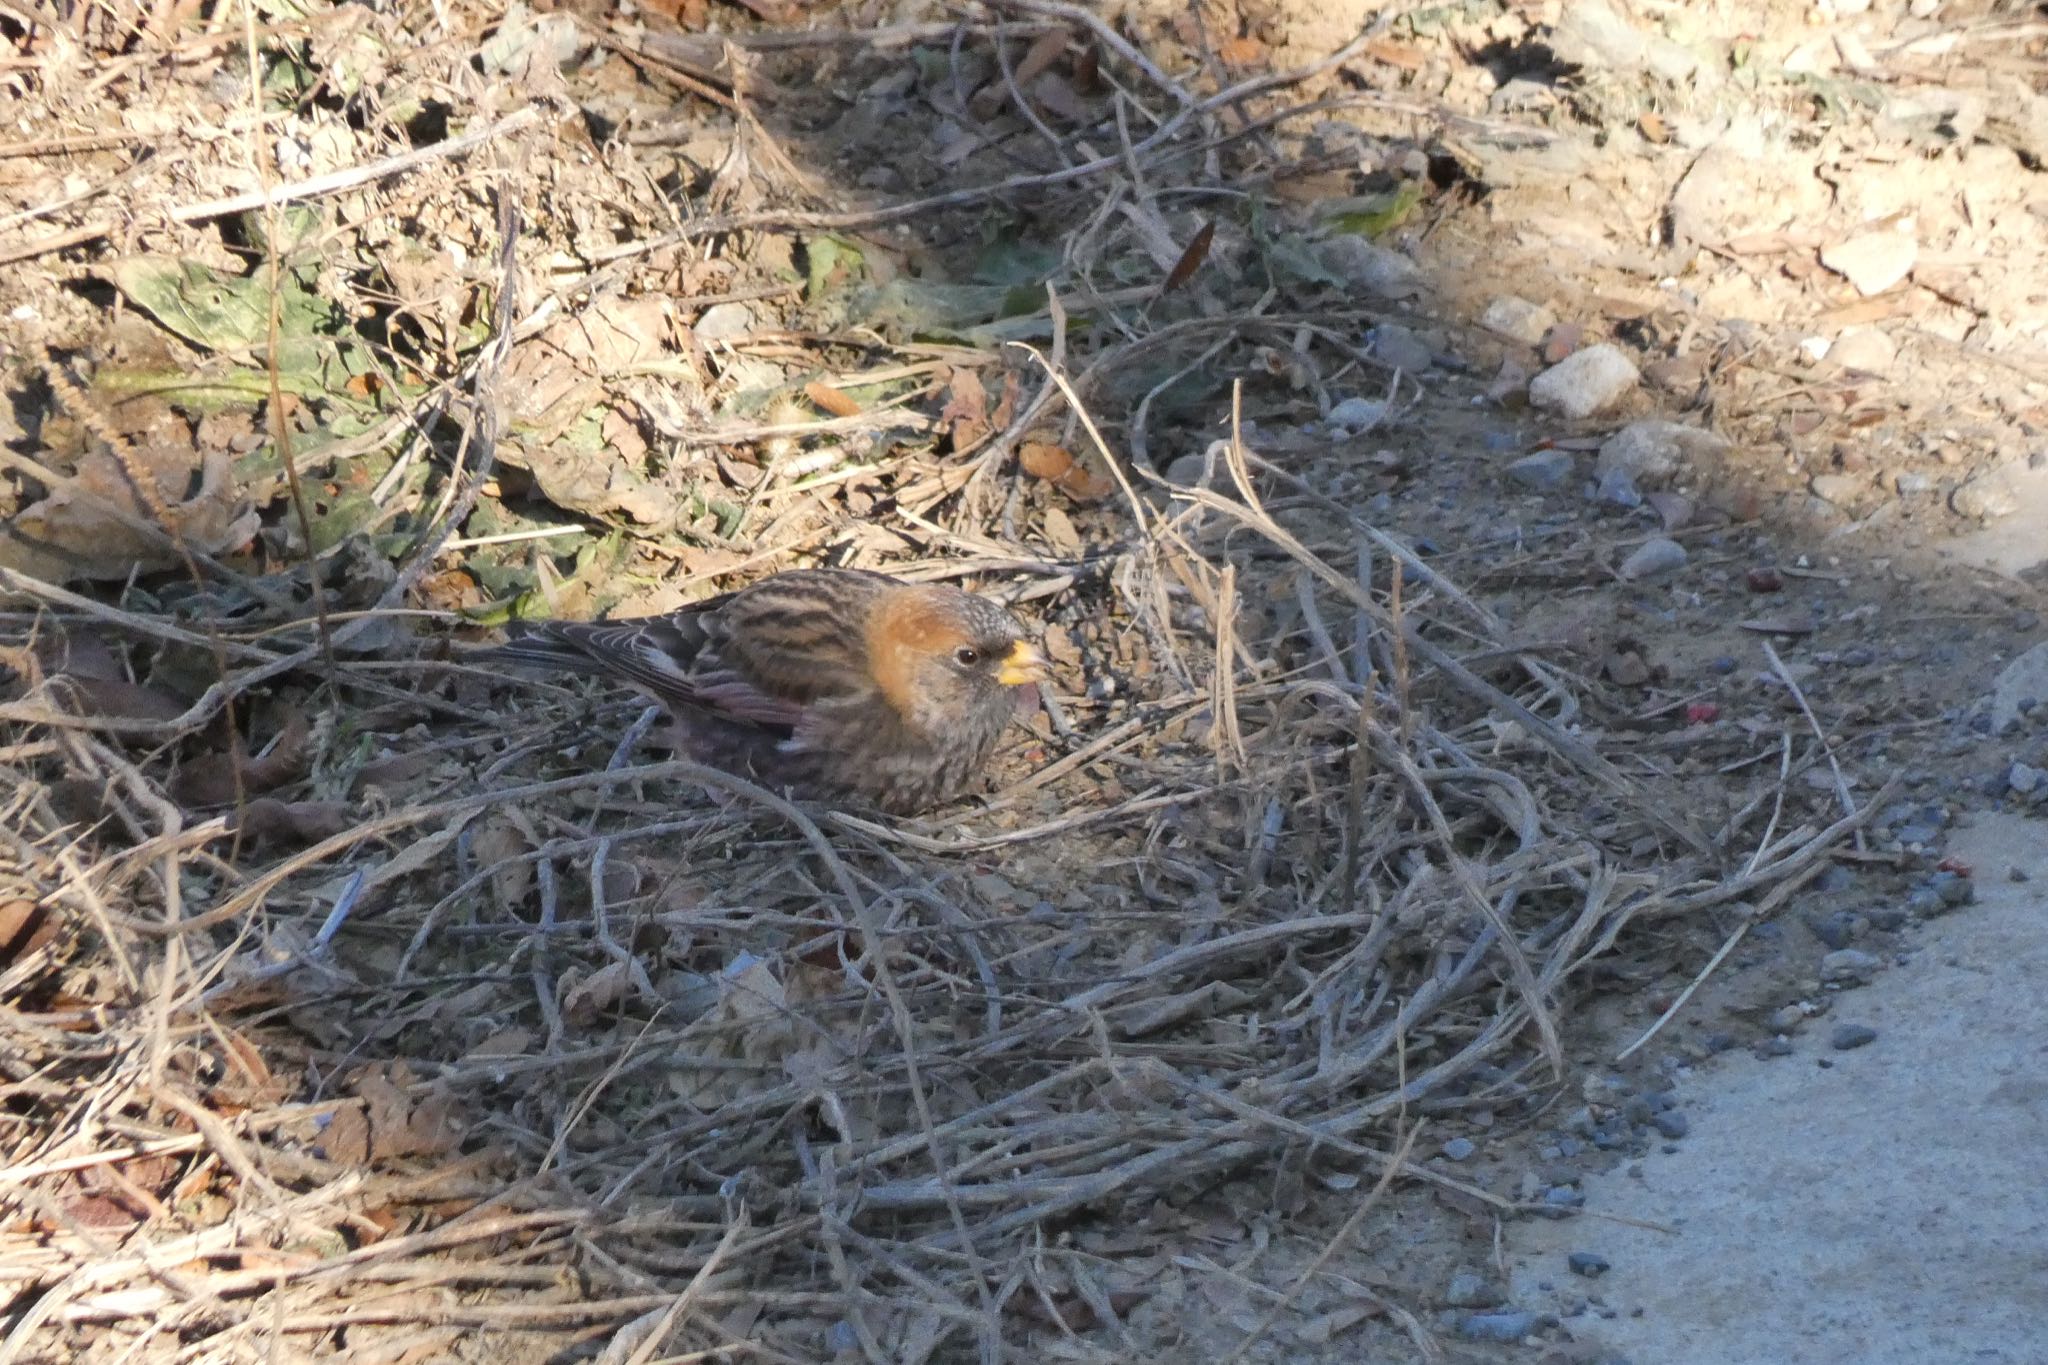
1528	503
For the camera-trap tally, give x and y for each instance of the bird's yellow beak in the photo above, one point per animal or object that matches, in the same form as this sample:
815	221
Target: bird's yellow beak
1023	665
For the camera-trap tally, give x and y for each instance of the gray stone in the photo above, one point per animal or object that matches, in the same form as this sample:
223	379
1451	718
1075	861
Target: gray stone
1838	490
1400	348
1652	451
1509	1325
1850	1036
1358	414
1374	269
1617	489
1584	382
1865	349
1459	1149
1544	471
1590	1264
1850	967
1653	559
1469	1289
1987	497
1518	319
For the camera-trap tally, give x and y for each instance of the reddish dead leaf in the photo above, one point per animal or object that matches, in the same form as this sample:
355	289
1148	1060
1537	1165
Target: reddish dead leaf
966	410
401	1124
1702	712
450	590
249	1080
383	1222
114	698
1242	52
24	927
831	400
1040	56
1561	340
397	771
267	819
1653	128
1956	866
209	779
1393	53
1764	578
346	1139
1191	259
1043	460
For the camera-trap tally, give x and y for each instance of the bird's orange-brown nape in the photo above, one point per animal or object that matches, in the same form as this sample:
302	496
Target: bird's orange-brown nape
904	627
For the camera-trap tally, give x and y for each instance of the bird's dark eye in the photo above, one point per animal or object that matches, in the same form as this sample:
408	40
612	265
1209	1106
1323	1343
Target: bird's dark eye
967	656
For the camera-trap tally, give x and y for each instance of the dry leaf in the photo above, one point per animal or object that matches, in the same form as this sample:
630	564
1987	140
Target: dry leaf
401	1125
1040	56
966	412
1044	461
87	526
831	400
586	998
1191	259
1060	533
501	845
209	779
267	819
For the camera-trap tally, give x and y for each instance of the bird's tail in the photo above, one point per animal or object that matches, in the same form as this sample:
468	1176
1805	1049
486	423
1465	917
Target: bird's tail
532	645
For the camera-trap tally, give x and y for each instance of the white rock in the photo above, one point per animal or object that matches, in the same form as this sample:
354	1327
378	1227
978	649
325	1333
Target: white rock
1866	349
1872	261
1650	452
1987	497
1518	319
1584	382
1813	350
1653	559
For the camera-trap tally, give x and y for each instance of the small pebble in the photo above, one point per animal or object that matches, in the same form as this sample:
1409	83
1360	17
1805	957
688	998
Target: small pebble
1775	1047
1849	1036
1543	471
1459	1149
1357	414
1850	966
1517	319
1672	1124
1468	1289
1590	1264
1837	930
1653	559
1509	1325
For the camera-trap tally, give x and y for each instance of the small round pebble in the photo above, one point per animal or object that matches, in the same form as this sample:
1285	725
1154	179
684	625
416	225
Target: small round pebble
1459	1149
1672	1124
1590	1264
1847	1036
1507	1325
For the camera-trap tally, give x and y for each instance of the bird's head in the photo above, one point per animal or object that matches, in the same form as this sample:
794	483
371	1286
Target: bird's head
941	656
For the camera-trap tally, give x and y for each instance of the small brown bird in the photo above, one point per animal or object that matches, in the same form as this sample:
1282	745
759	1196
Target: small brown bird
834	683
